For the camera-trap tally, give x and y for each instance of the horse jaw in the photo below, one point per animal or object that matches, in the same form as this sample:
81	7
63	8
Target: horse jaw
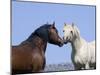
61	44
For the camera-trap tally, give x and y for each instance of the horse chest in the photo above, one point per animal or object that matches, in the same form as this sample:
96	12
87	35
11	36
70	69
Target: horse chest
82	55
21	60
27	59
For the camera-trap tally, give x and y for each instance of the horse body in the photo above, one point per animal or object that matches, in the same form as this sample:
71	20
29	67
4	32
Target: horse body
29	56
83	52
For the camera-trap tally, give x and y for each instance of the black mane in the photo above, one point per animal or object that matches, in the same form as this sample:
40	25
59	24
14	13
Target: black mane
42	32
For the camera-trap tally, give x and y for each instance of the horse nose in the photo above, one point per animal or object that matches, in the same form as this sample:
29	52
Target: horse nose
63	38
61	42
66	38
60	39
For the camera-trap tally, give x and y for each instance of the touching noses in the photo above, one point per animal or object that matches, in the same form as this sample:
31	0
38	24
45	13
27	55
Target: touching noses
61	41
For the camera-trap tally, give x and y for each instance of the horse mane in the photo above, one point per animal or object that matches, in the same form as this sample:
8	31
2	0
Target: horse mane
42	32
76	30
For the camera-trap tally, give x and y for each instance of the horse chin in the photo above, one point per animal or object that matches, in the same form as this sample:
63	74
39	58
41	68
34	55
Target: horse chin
60	45
65	42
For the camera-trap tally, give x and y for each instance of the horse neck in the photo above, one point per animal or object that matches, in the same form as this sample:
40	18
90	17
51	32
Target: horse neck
76	44
37	42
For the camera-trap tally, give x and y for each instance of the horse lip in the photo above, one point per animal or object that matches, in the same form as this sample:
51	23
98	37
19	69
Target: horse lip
61	44
65	42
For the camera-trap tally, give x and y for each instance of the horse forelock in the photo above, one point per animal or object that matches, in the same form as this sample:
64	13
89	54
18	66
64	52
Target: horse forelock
67	27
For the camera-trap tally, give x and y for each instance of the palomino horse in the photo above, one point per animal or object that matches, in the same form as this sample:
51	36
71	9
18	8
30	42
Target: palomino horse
83	52
29	56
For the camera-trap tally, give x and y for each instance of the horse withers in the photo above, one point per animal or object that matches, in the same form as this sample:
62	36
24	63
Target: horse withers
29	56
83	52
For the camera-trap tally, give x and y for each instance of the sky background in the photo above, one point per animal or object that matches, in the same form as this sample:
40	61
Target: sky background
28	16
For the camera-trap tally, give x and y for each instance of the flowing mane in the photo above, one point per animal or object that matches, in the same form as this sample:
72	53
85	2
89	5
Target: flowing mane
37	33
41	29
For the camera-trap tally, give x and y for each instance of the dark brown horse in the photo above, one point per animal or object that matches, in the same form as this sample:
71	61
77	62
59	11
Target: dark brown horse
29	56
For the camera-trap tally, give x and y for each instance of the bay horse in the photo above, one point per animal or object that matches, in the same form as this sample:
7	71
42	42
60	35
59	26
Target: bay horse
29	56
83	52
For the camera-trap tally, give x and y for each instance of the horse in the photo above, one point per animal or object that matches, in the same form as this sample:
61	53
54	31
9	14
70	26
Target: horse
83	52
29	56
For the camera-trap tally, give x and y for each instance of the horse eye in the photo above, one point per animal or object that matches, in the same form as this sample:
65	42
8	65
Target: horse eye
54	28
63	31
71	31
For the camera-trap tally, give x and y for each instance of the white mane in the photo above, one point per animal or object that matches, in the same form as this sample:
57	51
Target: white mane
83	52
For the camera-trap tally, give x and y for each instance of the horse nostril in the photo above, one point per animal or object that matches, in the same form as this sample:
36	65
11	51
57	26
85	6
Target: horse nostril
66	38
59	39
61	43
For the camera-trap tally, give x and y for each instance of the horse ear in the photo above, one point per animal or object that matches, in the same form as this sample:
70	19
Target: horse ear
53	24
47	23
72	24
65	24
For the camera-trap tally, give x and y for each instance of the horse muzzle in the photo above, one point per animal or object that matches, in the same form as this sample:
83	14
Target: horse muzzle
61	43
65	41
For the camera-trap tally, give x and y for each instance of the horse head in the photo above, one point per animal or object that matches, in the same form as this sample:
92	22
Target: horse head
50	34
54	38
71	32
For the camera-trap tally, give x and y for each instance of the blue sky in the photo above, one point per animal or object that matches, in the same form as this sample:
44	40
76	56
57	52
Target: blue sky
28	16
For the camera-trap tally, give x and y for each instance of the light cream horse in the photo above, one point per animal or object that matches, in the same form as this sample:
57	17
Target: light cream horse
83	52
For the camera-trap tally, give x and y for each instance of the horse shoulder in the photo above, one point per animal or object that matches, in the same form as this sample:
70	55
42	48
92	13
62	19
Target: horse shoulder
38	60
82	53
